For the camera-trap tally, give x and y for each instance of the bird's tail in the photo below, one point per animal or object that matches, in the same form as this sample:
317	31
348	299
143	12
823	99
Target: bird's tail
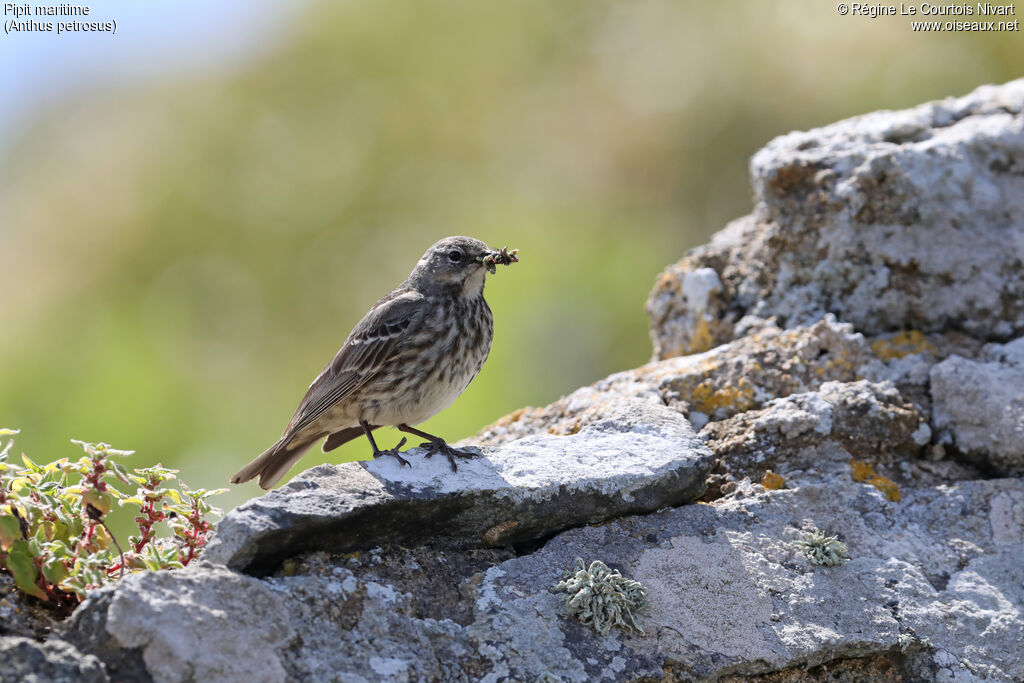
275	461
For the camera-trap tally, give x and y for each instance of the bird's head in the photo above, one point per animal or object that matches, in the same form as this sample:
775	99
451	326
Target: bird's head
456	263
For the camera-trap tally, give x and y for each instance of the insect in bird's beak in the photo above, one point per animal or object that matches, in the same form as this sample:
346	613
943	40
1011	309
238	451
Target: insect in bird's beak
502	257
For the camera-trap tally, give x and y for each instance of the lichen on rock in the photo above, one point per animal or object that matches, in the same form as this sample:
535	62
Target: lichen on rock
602	598
822	550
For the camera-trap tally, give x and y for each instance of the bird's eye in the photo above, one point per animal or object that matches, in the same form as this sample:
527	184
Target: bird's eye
454	255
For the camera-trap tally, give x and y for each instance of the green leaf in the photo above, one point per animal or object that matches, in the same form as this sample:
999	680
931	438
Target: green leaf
10	530
54	570
61	549
23	568
100	500
76	527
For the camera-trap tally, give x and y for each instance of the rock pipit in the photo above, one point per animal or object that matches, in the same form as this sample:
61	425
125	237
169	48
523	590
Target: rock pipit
408	359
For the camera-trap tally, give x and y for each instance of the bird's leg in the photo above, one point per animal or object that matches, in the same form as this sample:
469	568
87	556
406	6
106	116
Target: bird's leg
368	430
438	445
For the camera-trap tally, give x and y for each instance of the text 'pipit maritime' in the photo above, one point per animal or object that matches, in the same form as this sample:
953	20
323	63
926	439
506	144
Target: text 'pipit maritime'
407	360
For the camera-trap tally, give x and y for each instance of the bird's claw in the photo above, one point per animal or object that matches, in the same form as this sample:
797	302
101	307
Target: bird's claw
393	452
450	452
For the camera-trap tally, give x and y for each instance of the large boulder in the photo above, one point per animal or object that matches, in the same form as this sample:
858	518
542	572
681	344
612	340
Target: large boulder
891	221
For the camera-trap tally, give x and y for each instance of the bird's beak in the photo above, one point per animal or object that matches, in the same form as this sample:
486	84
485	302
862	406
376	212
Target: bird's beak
484	259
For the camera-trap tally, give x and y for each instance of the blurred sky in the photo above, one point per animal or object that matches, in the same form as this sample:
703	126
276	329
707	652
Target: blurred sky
194	212
155	38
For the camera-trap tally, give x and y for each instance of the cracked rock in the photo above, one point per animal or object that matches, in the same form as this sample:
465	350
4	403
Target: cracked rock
55	661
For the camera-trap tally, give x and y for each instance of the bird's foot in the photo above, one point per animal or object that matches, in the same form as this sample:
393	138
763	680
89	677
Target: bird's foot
393	452
450	452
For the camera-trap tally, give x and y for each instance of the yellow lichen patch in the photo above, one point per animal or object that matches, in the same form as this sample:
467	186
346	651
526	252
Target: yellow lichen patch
839	365
707	399
702	339
890	488
906	343
708	365
514	416
772	481
669	281
864	472
566	429
861	471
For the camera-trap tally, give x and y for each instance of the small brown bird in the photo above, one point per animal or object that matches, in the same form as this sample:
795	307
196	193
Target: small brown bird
408	359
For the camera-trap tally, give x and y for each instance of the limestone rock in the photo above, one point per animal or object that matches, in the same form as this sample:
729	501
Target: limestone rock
767	364
24	660
840	421
893	220
204	623
979	405
639	456
935	592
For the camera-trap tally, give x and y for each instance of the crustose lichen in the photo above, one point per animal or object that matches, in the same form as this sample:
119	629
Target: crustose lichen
602	598
822	550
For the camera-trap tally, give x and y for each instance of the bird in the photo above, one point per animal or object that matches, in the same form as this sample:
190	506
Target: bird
409	358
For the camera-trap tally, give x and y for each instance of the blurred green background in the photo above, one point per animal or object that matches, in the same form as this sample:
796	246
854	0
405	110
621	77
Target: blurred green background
181	254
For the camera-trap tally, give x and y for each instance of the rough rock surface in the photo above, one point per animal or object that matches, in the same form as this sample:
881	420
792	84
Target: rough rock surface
979	405
19	614
768	364
847	382
892	220
205	623
24	660
638	457
935	588
854	420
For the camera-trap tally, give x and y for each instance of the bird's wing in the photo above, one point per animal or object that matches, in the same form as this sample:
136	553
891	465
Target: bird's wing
368	348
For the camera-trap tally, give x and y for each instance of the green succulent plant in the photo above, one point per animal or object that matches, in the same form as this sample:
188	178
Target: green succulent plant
54	540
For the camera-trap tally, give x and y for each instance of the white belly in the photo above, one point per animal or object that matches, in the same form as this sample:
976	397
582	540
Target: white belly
423	402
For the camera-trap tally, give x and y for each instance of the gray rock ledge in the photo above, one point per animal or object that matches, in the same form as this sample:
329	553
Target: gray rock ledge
640	457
